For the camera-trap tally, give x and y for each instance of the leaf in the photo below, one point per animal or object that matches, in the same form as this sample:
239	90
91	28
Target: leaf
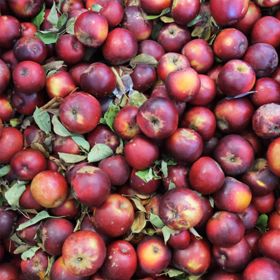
196	20
81	142
152	17
49	37
96	8
166	19
138	204
171	186
71	158
21	248
43	120
197	32
139	222
156	221
70	26
53	15
29	254
143	59
172	272
164	168
14	193
59	128
167	232
62	21
39	217
137	98
4	170
53	66
145	175
262	223
99	152
38	20
149	231
110	115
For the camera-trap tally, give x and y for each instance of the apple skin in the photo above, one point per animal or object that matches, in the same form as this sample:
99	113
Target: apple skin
154	7
5	76
272	156
77	71
115	216
125	123
69	209
153	255
86	30
226	12
140	152
157	118
26	71
199	54
236	77
274	221
8	271
152	48
12	139
249	217
266	121
183	11
222	275
30	234
80	112
265	203
6	109
7	219
185	145
175	210
267	3
206	176
259	34
262	268
25	8
91	185
276	75
220	225
171	62
121	261
10	31
120	46
263	58
252	238
234	258
230	44
65	145
49	188
26	200
177	174
83	253
234	154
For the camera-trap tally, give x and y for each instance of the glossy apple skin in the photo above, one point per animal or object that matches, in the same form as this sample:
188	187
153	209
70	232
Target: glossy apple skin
252	237
199	54
115	216
206	176
140	152
86	31
177	174
185	145
120	46
234	258
263	58
8	271
233	115
11	31
236	77
181	209
183	11
28	29
157	118
121	261
180	240
69	209
5	76
220	224
49	188
10	59
274	221
226	12
65	145
267	91
12	139
26	200
154	7
91	185
152	48
25	8
6	109
230	44
80	112
7	219
75	49
266	121
195	259
262	268
234	154
171	62
259	34
77	71
272	155
249	217
153	255
264	204
83	253
26	71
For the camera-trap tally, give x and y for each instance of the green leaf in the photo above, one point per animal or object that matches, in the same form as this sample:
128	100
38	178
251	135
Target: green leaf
171	186
156	221
53	15
149	231
70	26
59	128
49	37
138	204
167	232
39	217
96	8
196	20
4	170
262	223
81	142
71	158
62	21
143	59
53	66
38	20
172	272
164	168
152	17
99	152
14	193
137	98
43	120
110	115
146	175
29	254
166	19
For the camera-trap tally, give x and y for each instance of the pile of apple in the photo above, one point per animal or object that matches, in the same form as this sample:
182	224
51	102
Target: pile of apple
139	139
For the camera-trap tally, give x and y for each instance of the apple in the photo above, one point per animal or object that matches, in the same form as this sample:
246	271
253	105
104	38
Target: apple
7	219
151	48
177	174
76	72
68	209
6	109
272	156
11	31
249	217
65	145
155	7
274	221
26	200
28	234
222	275
10	59
265	203
25	8
5	76
8	271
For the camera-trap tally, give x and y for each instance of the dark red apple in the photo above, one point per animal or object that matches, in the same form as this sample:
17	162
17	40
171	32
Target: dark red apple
25	8
10	31
5	76
155	7
152	48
